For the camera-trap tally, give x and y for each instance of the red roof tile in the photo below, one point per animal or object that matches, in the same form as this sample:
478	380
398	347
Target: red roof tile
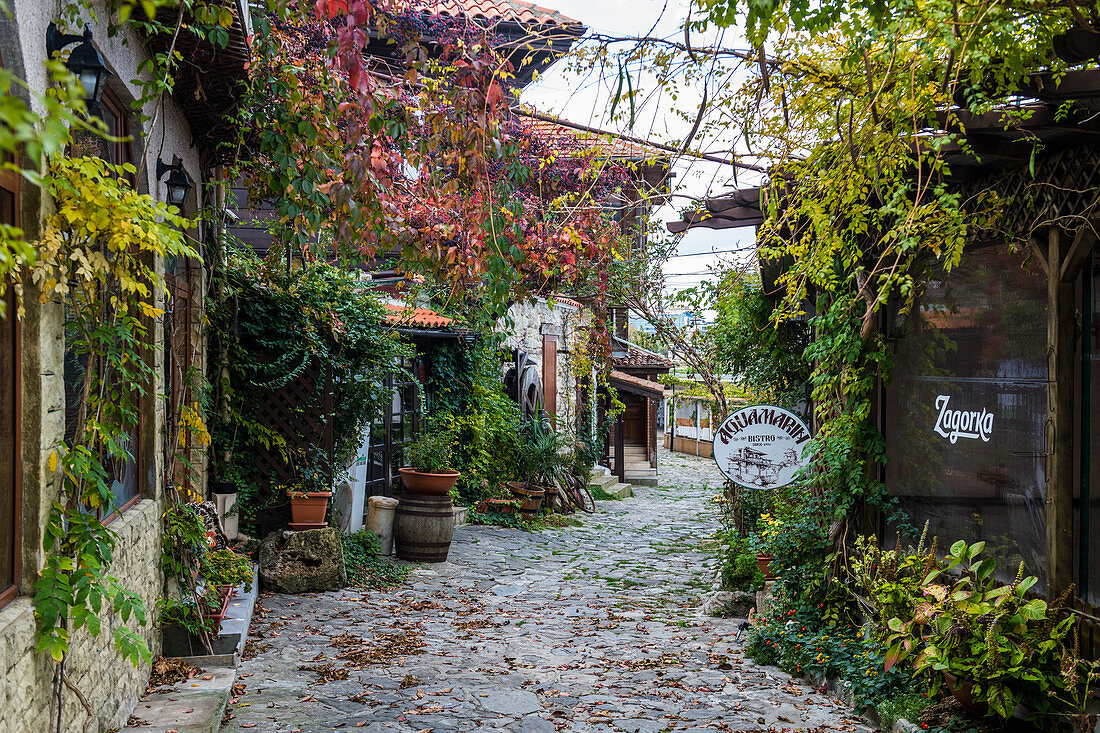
497	10
638	357
404	316
569	302
568	138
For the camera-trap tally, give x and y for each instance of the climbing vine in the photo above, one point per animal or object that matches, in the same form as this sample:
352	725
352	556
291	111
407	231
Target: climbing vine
96	256
429	172
275	328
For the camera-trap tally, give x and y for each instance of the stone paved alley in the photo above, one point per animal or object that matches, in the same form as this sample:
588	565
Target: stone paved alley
592	628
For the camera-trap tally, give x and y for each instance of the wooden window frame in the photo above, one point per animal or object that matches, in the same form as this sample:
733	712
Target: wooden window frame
9	181
121	152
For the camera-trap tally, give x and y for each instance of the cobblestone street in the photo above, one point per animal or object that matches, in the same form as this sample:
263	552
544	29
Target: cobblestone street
592	628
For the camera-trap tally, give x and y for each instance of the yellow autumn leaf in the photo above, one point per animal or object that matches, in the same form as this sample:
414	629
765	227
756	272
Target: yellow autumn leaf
53	461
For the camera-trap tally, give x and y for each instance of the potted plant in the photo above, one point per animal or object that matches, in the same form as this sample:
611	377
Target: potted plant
543	461
760	542
308	508
429	472
991	644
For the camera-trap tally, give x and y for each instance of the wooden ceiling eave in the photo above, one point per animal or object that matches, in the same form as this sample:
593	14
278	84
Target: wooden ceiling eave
209	81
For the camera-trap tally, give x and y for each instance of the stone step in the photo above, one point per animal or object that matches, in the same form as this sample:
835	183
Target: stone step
461	514
623	491
603	481
642	478
638	465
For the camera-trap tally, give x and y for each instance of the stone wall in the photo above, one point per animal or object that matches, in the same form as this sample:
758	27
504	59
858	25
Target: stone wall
531	321
110	683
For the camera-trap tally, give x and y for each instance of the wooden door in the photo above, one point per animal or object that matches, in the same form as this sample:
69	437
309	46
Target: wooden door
634	420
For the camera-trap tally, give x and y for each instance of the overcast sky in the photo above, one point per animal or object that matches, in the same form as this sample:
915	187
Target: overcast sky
587	99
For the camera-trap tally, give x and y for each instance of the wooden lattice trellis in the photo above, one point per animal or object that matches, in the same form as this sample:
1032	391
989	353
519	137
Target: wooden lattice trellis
301	413
1064	191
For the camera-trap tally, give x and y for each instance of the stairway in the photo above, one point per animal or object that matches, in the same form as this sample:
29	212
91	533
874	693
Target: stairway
603	479
638	470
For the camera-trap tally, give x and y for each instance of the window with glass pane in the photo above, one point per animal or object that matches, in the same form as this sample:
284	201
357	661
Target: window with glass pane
123	471
391	434
966	410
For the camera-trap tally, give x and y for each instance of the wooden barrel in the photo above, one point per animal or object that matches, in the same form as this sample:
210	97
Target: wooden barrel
422	528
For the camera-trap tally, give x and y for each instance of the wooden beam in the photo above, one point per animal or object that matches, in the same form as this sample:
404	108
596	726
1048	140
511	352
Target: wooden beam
1078	252
1060	410
1040	257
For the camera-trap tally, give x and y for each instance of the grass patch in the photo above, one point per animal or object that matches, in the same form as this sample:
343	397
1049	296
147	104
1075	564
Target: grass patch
366	568
525	522
599	494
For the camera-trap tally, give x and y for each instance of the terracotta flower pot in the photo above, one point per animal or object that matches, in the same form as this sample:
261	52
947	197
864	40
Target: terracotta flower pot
963	691
309	509
428	484
764	562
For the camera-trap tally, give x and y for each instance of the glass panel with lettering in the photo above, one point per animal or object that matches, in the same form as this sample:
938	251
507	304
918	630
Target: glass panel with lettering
966	410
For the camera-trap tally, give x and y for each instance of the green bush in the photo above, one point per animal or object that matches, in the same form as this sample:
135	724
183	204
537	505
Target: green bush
904	707
799	646
365	566
739	568
467	397
226	567
432	450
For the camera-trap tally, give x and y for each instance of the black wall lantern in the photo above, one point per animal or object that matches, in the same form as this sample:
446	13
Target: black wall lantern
178	183
84	61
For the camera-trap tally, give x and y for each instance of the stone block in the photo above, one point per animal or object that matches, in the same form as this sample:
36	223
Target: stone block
729	604
297	562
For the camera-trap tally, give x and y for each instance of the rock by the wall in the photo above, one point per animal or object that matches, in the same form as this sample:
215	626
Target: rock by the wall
729	604
297	562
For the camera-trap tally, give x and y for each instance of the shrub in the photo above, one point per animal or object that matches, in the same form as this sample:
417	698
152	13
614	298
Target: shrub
431	451
1011	648
226	567
364	564
904	707
795	644
738	566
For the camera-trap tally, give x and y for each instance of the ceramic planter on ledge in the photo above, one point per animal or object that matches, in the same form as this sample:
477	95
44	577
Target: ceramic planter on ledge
428	484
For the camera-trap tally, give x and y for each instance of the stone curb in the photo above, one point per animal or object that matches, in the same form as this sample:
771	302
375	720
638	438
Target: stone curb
197	705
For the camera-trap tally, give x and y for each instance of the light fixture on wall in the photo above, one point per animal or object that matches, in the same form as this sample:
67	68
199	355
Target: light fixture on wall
84	60
178	183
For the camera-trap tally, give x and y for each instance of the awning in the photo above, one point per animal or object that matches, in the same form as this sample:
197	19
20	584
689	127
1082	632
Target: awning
636	385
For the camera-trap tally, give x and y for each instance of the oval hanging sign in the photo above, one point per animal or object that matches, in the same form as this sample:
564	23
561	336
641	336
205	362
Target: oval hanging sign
760	447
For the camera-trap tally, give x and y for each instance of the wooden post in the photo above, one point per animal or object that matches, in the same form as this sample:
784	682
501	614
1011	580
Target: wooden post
1060	352
620	463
